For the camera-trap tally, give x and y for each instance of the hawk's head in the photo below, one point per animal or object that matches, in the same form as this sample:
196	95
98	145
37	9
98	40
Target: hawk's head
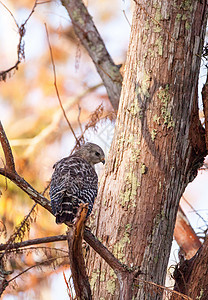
92	153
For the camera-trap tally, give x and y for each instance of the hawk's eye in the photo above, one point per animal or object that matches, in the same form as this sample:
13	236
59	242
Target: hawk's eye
97	153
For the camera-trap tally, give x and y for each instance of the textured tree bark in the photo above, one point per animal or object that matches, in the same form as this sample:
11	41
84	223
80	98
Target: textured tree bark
205	105
192	275
153	155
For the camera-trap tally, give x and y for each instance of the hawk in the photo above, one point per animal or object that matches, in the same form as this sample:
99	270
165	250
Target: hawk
75	181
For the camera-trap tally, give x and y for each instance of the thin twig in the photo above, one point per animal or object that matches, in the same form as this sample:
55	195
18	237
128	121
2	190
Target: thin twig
9	11
164	288
194	210
27	188
20	46
78	118
36	265
68	287
32	11
46	188
126	17
42	248
56	87
94	118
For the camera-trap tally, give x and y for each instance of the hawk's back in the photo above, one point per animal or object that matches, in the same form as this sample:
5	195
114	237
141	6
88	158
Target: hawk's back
74	181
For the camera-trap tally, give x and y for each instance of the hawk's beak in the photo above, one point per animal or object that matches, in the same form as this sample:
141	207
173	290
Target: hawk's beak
102	160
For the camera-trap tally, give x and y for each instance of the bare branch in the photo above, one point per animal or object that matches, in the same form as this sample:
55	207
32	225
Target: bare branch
7	150
20	46
27	188
115	264
90	38
126	17
48	239
78	119
9	11
160	289
69	289
76	259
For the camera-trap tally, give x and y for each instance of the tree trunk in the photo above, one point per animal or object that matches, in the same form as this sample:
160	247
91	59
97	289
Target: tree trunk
152	157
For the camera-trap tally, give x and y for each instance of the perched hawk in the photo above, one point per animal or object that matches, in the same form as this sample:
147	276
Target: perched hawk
75	181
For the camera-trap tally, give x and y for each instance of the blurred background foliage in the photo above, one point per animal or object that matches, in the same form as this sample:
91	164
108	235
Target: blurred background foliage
39	134
34	123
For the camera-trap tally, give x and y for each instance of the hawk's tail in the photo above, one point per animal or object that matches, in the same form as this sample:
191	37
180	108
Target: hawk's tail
67	210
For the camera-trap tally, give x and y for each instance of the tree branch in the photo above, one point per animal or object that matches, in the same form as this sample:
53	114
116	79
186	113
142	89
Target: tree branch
76	259
114	263
45	262
27	188
48	239
7	150
90	38
125	275
20	47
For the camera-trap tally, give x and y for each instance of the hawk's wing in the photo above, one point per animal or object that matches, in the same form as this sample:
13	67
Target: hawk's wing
74	181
